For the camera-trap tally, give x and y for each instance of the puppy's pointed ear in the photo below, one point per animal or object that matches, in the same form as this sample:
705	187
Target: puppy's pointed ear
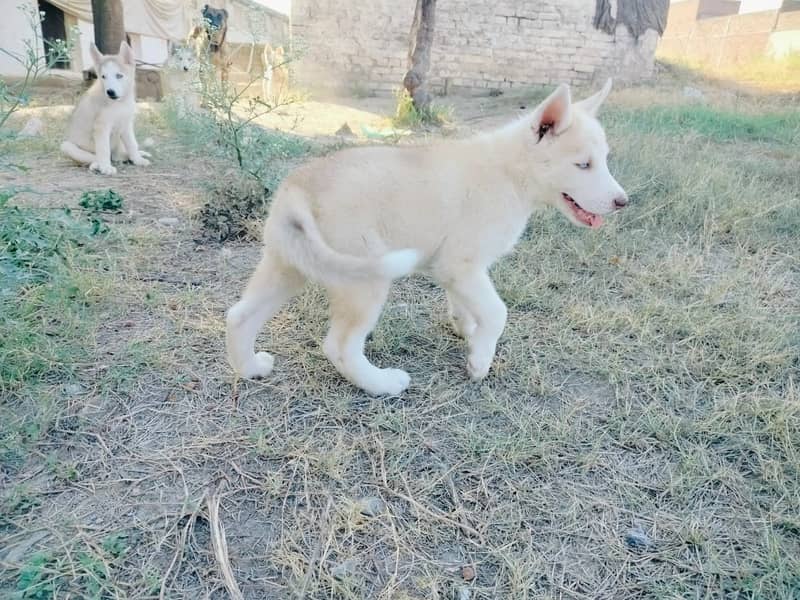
97	57
126	53
554	115
592	104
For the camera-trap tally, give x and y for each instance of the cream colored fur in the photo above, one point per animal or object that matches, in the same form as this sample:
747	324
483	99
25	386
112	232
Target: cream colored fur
275	84
180	77
199	39
102	124
355	220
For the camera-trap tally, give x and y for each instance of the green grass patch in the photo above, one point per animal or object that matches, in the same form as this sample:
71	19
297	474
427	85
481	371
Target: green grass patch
712	124
408	115
46	300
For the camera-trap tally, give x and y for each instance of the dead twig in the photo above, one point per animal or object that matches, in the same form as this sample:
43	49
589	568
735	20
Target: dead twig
220	546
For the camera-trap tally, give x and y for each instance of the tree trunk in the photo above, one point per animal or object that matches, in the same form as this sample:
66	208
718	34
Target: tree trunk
637	15
109	26
419	54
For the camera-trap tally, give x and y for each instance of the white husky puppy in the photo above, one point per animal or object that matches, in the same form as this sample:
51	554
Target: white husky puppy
102	123
357	219
181	79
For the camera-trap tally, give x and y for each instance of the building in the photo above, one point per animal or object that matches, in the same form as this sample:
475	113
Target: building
150	25
722	34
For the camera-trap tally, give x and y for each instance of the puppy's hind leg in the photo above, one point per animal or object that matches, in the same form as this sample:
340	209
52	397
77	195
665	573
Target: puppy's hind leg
354	311
272	285
76	153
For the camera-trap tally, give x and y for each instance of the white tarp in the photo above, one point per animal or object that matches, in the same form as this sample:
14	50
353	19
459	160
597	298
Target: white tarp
172	19
168	19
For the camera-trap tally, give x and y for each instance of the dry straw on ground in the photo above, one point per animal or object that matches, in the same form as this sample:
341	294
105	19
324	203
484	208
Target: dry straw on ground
637	438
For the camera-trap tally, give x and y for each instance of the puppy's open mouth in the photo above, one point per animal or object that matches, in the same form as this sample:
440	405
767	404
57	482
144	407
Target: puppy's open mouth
584	216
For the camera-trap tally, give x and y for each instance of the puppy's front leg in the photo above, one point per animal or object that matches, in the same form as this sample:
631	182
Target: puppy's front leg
131	147
102	151
475	293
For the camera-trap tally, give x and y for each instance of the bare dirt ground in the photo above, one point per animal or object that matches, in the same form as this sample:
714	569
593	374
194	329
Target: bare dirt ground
637	437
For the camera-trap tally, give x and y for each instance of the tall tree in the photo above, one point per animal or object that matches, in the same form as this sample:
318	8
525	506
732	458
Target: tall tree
419	54
109	25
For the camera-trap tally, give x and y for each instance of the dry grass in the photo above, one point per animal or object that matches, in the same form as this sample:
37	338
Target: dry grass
779	75
638	436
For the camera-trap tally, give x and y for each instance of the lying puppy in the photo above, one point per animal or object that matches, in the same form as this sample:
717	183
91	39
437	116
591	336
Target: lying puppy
357	219
101	126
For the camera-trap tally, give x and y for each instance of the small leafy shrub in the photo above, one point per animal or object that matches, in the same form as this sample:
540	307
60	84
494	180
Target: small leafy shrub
35	580
34	242
98	202
87	569
42	295
101	201
408	115
233	210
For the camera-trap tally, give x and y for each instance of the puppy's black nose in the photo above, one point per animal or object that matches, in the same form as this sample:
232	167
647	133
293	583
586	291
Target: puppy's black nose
621	202
112	94
185	68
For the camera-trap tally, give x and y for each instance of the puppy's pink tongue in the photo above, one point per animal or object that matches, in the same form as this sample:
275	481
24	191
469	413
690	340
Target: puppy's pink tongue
595	221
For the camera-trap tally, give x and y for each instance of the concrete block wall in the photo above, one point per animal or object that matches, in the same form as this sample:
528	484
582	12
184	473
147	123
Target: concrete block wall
478	45
729	40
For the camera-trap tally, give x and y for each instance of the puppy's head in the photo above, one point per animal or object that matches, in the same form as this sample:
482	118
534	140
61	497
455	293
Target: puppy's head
116	72
182	58
571	151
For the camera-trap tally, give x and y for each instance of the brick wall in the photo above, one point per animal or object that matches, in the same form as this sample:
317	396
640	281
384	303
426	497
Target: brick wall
478	45
726	41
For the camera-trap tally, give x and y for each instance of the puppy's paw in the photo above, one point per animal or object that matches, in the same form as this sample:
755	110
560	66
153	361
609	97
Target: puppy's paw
141	161
259	366
103	169
478	367
392	382
145	154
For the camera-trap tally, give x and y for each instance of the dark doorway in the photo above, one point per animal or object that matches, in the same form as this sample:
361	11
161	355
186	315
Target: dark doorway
54	28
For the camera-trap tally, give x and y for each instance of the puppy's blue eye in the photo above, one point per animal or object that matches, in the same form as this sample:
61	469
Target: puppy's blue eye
583	165
119	75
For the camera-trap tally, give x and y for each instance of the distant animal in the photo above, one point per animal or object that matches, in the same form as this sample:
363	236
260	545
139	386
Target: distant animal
180	77
276	76
357	219
101	128
208	40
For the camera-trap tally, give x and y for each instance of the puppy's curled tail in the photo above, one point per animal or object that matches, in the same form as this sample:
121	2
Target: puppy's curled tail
298	240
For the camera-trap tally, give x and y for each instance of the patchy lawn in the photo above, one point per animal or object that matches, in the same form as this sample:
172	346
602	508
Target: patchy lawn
638	436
